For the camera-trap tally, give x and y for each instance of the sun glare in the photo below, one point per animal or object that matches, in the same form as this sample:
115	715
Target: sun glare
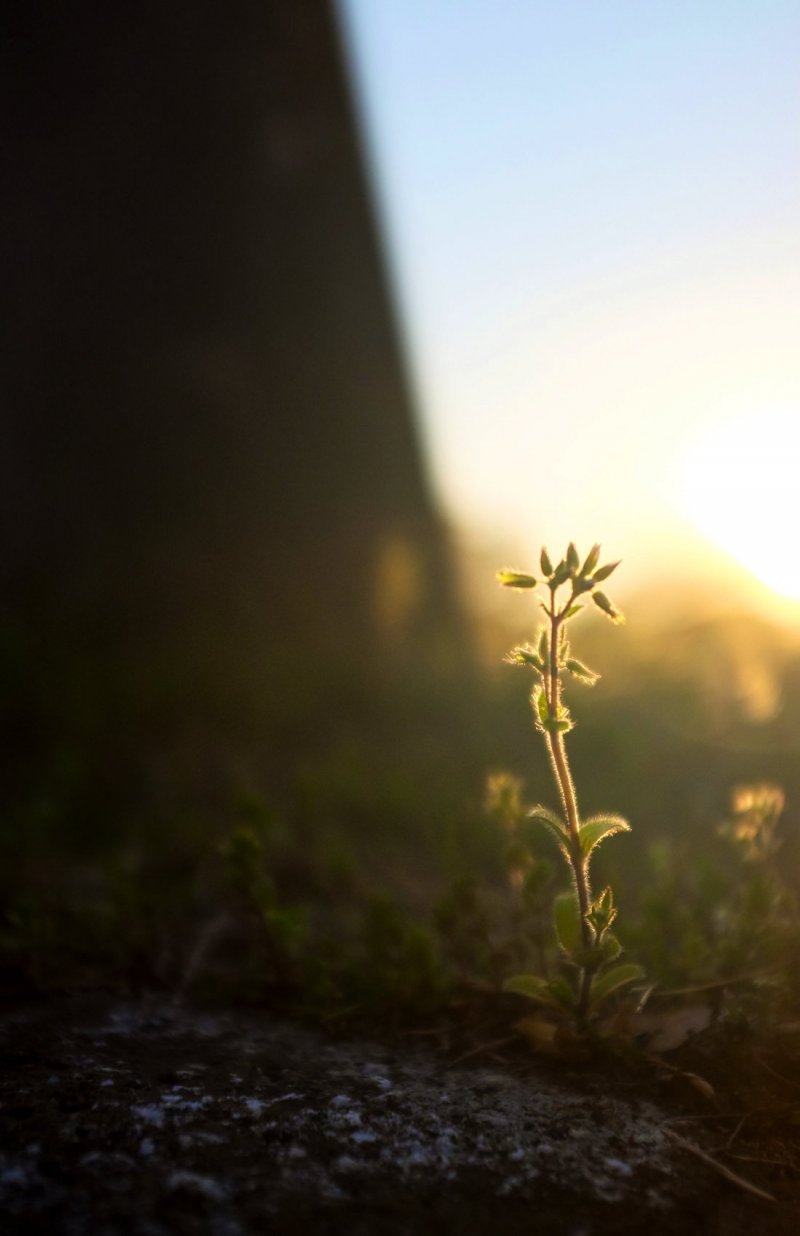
740	486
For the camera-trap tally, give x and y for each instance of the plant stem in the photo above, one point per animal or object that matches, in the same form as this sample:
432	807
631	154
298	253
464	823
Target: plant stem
563	777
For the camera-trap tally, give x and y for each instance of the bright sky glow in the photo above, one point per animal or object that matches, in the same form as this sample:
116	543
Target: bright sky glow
592	217
740	485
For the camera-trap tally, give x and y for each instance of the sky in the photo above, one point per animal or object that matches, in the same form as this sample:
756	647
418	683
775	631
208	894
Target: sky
591	217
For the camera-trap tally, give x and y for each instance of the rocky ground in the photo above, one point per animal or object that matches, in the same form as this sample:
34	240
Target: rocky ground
150	1120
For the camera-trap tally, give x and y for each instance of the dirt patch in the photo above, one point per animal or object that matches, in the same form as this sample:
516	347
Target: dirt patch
150	1120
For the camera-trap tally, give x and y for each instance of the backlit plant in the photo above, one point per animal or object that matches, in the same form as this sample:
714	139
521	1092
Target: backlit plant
588	947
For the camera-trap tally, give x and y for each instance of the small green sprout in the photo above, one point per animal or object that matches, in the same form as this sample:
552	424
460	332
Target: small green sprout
588	947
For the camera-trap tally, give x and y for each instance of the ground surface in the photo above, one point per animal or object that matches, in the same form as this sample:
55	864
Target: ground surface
145	1119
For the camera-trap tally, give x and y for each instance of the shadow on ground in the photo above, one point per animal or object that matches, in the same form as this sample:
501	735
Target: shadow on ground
153	1120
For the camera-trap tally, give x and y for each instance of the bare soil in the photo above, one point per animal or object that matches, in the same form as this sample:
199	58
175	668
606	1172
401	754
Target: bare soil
143	1118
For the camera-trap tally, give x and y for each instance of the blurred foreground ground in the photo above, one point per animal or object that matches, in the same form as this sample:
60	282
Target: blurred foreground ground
151	1120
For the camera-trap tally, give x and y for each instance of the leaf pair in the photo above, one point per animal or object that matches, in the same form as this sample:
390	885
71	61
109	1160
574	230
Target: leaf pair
558	993
545	722
590	833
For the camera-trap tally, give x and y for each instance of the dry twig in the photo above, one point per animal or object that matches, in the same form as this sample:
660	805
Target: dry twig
733	1177
751	1158
736	1131
481	1049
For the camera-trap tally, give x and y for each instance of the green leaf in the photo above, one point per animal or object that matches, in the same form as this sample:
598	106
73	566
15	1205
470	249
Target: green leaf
562	992
588	958
556	992
515	579
544	646
525	655
592	558
567	918
573	610
605	571
573	561
611	947
540	704
604	904
582	671
545	563
530	985
543	815
603	985
560	724
602	913
597	828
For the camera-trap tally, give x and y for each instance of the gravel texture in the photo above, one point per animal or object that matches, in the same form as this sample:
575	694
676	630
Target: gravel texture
148	1120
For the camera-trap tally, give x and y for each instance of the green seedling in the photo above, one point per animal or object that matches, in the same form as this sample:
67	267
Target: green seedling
588	947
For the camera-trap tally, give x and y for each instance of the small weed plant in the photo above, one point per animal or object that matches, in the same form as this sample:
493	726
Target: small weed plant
590	972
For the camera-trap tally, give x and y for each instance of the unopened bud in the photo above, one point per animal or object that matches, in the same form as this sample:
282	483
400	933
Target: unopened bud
592	559
602	602
605	571
581	671
515	579
525	655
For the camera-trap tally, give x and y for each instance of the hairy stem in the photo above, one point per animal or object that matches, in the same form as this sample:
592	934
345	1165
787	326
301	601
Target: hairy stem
563	777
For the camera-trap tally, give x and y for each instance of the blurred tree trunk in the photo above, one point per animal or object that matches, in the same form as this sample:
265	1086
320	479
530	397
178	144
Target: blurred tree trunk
215	519
210	471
